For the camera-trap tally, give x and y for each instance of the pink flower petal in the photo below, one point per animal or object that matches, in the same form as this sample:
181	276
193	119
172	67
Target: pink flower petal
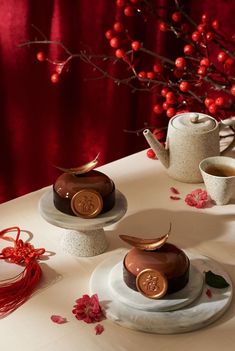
209	293
175	197
99	329
58	319
174	190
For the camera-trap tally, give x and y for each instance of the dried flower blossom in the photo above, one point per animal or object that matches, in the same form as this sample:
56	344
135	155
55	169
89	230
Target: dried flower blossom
99	329
58	319
88	309
197	198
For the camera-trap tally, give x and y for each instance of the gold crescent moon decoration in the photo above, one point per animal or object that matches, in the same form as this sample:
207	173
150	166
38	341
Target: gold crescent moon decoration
81	169
146	244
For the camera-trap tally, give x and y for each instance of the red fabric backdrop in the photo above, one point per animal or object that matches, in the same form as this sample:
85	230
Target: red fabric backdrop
69	123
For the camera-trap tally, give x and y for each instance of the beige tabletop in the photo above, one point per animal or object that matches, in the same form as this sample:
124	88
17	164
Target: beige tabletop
209	231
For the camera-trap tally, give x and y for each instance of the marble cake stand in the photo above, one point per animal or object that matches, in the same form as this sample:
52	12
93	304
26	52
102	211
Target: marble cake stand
175	301
175	313
83	237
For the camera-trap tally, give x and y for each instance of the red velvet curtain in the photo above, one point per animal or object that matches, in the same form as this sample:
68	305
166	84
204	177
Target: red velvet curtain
69	123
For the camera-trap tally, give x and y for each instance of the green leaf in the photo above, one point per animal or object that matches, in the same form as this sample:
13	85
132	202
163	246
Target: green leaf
215	280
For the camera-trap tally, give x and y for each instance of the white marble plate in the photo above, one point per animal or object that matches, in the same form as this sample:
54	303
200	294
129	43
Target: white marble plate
132	298
200	313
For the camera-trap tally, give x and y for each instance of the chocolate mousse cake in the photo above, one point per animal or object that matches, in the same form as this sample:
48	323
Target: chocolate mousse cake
83	193
157	271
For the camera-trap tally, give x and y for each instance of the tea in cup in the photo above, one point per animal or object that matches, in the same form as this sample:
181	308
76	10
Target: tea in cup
218	174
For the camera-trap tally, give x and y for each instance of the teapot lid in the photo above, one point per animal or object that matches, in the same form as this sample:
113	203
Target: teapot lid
193	122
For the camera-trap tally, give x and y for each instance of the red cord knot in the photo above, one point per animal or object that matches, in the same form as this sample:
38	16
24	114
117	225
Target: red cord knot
21	253
16	290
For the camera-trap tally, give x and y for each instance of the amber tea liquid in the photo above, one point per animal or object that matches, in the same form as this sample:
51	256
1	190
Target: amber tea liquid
221	171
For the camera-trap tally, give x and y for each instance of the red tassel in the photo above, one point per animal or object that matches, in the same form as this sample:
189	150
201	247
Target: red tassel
15	291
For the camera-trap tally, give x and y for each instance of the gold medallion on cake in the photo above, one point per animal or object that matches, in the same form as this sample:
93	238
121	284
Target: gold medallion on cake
87	203
151	283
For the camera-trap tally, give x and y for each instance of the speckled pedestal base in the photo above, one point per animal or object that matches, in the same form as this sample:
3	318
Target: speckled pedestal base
83	237
84	243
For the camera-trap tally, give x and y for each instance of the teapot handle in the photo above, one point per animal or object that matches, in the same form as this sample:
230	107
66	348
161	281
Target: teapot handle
228	123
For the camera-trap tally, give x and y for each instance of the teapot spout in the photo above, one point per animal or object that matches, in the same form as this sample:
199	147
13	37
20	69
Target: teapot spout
160	151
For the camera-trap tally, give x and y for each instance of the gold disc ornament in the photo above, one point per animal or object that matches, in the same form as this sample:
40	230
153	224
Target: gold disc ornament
151	283
87	203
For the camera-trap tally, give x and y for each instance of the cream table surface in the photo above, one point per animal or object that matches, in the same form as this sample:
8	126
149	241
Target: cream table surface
209	231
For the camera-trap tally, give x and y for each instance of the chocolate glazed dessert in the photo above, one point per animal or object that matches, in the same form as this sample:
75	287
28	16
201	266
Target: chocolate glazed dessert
155	268
83	192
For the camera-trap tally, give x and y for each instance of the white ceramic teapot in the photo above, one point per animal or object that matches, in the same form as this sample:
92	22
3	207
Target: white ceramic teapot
191	137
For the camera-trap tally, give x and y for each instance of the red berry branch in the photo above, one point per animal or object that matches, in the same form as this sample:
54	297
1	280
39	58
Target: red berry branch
200	79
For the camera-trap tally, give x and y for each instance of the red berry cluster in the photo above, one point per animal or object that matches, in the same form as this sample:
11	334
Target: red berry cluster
160	135
58	66
118	36
202	72
170	102
177	19
194	80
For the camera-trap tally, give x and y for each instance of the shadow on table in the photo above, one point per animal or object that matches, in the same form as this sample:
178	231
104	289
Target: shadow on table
49	277
189	229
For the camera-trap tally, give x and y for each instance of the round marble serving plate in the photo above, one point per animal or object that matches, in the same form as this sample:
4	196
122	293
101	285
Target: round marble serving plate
198	314
83	237
132	298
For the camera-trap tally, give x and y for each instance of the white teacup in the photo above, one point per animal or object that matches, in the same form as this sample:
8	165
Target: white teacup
218	173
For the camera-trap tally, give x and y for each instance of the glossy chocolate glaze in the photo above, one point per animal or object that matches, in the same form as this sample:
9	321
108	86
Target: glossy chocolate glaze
169	260
67	185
